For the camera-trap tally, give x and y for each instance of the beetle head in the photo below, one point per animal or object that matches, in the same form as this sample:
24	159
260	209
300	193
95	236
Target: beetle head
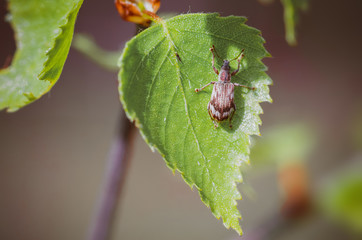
226	65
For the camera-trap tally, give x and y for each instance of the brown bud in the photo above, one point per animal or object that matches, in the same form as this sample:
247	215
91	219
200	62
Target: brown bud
138	11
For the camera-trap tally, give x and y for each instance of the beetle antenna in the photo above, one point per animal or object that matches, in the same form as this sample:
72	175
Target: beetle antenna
213	50
240	54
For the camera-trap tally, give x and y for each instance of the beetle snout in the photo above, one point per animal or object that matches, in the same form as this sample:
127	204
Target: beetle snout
226	65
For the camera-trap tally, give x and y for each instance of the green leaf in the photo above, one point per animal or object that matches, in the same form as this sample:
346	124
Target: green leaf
341	197
43	31
160	69
291	18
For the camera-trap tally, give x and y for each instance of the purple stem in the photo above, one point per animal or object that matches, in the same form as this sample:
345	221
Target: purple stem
114	180
115	175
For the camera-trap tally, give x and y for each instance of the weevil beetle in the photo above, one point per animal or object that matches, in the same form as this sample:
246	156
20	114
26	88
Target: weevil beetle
221	106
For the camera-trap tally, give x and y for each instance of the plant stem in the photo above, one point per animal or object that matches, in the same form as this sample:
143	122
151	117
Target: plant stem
115	174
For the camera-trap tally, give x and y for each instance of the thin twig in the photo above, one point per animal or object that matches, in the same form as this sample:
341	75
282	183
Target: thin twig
118	162
115	175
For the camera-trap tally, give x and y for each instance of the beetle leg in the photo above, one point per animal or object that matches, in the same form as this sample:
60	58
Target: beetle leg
209	111
199	89
213	120
239	85
237	70
241	57
212	49
230	118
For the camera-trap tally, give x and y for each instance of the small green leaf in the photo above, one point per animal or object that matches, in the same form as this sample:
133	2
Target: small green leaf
160	69
43	31
291	18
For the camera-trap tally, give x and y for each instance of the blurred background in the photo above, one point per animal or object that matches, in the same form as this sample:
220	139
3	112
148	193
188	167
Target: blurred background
305	175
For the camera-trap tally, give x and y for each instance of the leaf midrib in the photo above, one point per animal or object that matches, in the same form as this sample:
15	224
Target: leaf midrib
218	36
173	46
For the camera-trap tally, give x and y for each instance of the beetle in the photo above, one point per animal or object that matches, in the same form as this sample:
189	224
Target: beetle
221	106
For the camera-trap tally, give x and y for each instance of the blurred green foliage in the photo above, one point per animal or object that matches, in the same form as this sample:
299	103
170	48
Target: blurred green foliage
291	18
87	46
283	144
341	198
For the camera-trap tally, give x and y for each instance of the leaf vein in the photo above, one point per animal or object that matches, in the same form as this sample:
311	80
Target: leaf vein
168	113
217	36
141	62
168	36
152	84
226	24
